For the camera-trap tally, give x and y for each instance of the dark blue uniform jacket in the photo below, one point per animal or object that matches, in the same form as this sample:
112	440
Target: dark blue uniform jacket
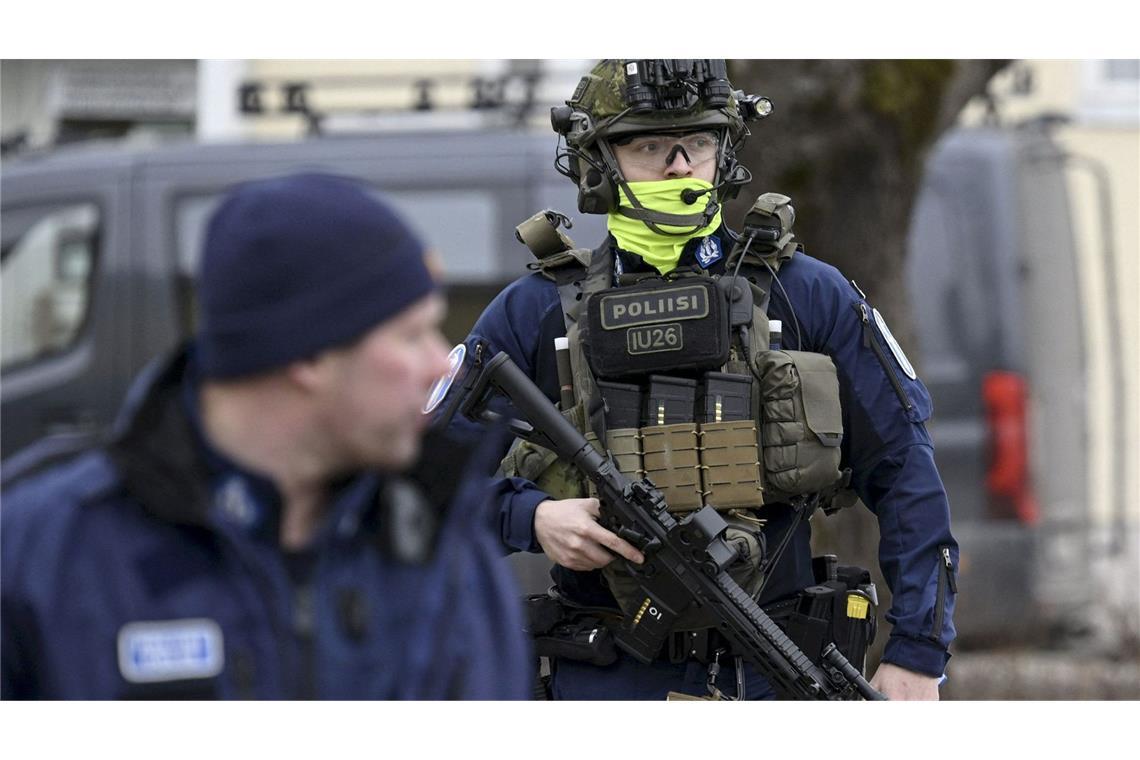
885	444
151	568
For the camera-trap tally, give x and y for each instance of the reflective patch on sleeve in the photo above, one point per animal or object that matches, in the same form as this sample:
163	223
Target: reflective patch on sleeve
170	650
443	385
893	344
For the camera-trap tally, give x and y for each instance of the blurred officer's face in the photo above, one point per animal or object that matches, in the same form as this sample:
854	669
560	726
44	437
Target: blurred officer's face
372	393
650	157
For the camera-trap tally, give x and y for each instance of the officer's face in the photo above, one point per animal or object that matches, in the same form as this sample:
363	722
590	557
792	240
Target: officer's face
650	157
373	392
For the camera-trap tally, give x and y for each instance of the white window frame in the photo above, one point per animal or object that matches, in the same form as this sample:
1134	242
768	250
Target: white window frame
1105	101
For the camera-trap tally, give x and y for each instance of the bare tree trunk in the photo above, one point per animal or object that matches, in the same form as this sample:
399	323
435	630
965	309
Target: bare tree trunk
847	141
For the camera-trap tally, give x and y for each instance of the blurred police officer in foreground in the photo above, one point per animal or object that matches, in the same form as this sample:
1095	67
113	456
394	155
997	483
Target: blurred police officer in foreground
652	145
257	525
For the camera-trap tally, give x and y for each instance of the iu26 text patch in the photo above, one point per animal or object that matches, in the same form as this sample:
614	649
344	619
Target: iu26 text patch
652	339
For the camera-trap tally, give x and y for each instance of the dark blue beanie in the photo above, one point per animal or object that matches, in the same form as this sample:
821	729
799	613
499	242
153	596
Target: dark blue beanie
295	265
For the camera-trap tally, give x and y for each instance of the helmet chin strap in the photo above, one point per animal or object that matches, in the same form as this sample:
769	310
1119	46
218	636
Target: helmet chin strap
653	218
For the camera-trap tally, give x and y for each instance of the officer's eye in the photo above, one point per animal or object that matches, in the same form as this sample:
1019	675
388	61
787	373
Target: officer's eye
648	147
702	141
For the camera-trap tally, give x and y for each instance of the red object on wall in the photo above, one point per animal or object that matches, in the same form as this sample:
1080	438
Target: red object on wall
1008	481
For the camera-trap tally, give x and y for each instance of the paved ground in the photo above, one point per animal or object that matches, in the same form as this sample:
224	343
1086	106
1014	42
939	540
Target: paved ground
1040	676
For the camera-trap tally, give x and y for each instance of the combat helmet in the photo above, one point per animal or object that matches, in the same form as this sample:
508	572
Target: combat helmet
624	97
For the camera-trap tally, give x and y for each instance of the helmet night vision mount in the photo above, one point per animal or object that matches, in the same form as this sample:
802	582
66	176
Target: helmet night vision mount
620	98
671	85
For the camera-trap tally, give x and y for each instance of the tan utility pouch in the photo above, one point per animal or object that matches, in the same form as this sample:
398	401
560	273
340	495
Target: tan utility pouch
625	446
802	422
730	465
672	462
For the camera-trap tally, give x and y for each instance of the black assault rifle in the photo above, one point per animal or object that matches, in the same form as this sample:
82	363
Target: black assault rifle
685	559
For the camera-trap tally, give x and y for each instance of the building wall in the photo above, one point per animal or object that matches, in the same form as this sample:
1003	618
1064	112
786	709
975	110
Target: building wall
58	101
383	94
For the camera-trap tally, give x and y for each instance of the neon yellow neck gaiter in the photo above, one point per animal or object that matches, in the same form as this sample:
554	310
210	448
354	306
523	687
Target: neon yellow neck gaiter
661	251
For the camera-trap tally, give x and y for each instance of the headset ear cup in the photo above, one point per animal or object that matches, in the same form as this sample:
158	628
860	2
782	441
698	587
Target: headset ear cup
607	195
596	191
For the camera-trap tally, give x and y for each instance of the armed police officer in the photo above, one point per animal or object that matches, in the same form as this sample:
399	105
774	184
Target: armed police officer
730	368
262	522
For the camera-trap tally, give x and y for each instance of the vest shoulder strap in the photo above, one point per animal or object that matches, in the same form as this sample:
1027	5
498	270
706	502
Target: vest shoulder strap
553	248
773	216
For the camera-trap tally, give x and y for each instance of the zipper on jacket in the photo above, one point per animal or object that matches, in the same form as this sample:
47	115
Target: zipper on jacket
304	628
872	342
301	568
945	581
948	566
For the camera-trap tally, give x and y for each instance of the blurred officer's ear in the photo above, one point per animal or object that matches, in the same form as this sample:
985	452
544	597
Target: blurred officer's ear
434	263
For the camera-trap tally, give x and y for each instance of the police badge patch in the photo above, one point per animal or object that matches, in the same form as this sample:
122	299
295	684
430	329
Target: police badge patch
709	252
893	344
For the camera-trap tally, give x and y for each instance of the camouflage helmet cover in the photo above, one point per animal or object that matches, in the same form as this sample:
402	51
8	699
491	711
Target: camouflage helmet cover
602	95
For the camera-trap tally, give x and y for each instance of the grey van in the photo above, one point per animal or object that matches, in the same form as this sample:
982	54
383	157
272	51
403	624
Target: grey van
992	260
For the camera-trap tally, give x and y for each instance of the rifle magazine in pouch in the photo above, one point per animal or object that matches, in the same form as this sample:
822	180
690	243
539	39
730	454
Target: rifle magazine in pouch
626	446
730	464
802	422
672	462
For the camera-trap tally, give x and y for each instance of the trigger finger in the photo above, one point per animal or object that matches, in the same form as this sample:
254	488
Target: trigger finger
620	546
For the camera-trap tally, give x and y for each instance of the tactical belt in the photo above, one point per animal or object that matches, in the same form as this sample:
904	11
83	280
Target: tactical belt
839	609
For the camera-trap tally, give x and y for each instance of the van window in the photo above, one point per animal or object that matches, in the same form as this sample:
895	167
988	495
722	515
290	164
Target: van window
459	225
45	287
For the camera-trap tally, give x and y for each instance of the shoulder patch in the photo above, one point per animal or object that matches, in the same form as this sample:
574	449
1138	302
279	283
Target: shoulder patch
893	344
443	385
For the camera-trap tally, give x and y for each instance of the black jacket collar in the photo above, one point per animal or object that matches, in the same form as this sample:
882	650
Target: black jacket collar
155	449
